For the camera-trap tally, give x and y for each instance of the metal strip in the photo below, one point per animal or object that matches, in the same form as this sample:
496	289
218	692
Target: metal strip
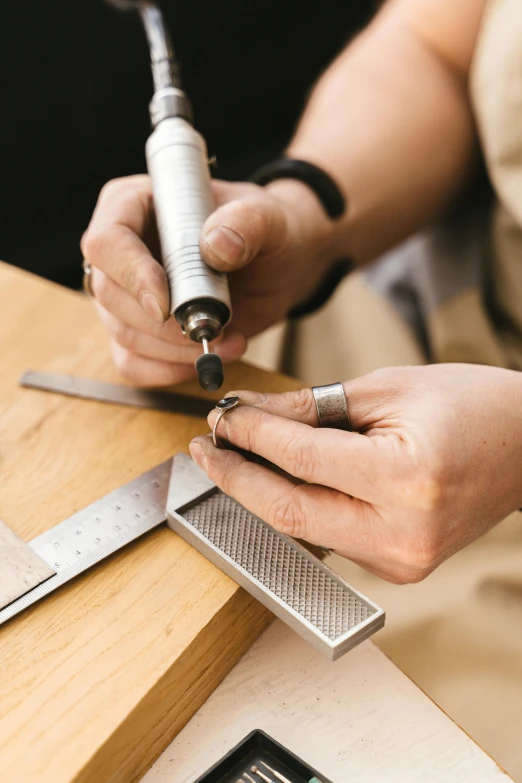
101	391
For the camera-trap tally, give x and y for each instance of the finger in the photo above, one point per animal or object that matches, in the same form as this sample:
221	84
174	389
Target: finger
118	301
126	320
346	461
138	342
242	229
114	243
390	572
295	405
348	526
374	400
148	372
316	514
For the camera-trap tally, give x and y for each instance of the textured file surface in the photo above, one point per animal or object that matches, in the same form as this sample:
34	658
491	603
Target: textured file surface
281	573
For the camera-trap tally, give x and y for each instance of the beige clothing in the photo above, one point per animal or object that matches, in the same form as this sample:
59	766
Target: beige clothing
459	633
497	99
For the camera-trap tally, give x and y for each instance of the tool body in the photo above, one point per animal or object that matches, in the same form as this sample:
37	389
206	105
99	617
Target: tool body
181	185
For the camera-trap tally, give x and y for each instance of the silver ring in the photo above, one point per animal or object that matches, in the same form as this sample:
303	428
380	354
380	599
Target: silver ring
332	409
87	278
224	405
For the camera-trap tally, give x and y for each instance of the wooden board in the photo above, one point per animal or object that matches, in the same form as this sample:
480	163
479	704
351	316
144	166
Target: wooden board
98	678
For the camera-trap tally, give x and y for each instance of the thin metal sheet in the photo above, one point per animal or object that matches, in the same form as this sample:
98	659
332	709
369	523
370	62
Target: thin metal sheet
21	569
117	394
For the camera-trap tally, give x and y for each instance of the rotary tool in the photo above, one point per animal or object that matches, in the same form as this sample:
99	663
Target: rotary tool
181	186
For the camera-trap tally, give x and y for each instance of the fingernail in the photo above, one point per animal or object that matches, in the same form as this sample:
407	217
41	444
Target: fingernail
197	454
151	305
227	244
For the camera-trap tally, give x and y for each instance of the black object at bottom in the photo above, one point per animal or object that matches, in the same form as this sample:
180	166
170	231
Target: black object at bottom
253	749
210	371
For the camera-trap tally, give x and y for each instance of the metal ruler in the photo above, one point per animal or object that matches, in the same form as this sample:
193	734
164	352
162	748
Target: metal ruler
116	393
277	570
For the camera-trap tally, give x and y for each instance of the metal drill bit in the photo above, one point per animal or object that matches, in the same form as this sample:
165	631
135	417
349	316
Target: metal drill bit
262	775
276	773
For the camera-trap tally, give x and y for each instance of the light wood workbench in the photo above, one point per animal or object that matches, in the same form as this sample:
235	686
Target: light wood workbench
97	679
358	720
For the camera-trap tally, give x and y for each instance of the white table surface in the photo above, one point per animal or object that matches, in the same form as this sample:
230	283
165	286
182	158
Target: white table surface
358	719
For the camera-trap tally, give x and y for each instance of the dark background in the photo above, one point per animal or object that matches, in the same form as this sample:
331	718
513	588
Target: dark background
75	86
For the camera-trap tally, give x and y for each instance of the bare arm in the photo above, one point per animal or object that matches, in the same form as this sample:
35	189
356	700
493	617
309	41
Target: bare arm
391	121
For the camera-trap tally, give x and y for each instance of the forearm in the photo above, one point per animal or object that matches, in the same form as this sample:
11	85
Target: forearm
391	122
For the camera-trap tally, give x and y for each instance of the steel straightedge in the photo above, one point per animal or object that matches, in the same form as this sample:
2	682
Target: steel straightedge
101	391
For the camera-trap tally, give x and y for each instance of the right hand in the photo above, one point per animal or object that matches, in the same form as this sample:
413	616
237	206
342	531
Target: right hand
271	240
434	461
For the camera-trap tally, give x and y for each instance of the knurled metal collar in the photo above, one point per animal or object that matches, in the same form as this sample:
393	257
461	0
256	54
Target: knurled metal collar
169	102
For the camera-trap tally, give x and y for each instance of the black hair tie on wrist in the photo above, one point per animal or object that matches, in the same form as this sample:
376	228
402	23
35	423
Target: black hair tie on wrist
317	180
333	203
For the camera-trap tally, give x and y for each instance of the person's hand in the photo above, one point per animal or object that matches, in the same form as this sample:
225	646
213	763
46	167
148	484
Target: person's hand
270	239
436	461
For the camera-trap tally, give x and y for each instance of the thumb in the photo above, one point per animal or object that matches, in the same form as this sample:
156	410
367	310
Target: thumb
240	230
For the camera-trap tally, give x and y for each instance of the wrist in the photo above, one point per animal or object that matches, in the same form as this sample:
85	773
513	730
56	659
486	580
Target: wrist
311	230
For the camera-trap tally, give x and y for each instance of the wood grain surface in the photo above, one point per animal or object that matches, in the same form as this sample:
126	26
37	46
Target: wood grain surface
100	676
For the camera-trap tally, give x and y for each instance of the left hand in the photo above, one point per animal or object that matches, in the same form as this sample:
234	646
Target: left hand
435	462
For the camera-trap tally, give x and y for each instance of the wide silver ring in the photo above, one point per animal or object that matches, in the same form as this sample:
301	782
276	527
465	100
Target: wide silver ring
332	409
87	278
223	406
